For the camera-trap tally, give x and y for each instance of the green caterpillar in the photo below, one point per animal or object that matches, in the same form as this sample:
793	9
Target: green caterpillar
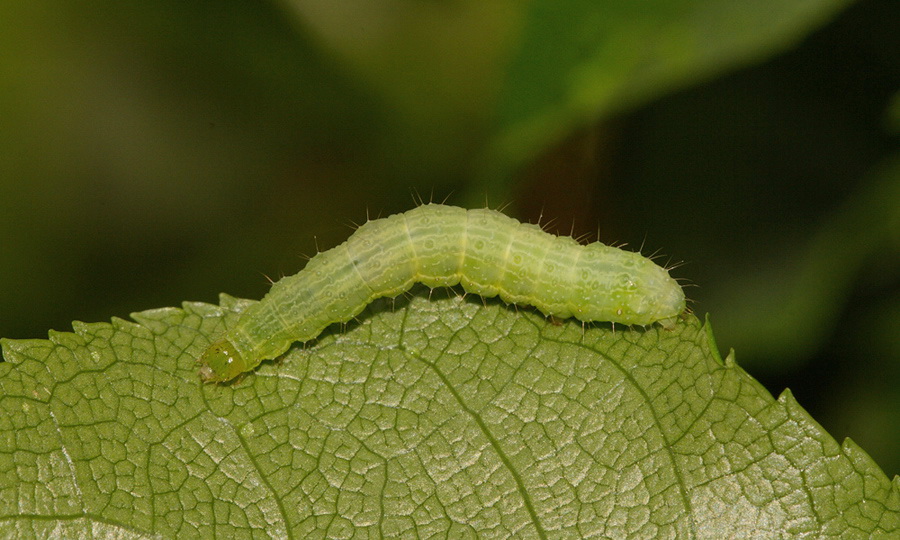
485	251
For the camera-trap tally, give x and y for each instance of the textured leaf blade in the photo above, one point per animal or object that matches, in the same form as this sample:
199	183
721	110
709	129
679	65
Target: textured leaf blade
440	417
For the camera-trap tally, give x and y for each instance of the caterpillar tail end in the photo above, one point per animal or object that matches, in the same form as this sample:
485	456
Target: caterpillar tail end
668	324
221	362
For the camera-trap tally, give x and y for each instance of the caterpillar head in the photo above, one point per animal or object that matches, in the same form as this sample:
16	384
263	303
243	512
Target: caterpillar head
221	362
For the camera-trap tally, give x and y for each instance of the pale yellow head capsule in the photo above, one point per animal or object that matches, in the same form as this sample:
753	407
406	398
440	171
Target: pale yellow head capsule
221	362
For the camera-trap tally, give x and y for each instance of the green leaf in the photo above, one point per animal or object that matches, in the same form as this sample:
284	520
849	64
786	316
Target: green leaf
441	416
582	60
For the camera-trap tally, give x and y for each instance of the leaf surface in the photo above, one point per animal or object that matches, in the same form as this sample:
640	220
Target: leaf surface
440	417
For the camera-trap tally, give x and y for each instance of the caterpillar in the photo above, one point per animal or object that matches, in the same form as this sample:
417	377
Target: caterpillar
483	250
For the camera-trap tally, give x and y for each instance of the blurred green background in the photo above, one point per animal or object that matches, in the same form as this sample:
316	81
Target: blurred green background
155	152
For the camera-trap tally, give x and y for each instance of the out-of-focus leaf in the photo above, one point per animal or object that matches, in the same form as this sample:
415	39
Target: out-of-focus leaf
810	290
583	60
